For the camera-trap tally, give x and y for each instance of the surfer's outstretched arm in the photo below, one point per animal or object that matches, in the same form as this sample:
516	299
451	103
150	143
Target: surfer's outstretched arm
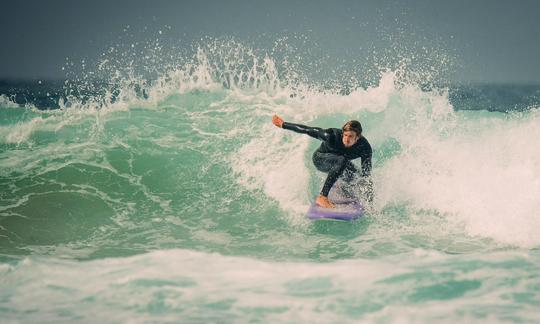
315	132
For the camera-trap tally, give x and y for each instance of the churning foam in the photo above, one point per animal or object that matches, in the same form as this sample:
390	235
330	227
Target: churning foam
487	176
479	169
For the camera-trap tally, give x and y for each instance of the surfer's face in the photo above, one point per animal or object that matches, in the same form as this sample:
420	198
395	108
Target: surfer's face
349	138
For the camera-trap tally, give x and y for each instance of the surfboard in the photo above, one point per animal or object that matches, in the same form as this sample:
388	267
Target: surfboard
344	210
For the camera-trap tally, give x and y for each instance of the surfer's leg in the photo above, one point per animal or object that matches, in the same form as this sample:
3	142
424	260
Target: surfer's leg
334	165
324	161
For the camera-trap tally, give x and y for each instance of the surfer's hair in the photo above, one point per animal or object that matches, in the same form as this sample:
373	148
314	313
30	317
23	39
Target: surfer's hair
353	125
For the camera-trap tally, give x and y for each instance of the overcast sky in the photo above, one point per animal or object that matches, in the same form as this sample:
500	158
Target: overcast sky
491	40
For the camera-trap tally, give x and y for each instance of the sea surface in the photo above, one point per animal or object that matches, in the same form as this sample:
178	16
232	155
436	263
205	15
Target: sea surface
175	199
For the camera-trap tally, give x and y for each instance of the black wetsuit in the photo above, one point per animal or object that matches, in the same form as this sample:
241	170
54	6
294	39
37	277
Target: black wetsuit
334	158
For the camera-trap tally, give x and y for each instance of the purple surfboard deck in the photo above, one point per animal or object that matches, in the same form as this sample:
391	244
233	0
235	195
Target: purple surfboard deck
345	210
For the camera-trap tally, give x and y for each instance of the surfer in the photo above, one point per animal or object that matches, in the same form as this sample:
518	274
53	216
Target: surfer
338	148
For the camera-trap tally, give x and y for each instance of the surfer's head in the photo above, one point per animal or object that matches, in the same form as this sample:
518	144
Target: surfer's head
352	130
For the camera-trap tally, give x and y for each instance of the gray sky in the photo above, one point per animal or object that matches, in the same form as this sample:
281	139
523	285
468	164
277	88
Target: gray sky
491	40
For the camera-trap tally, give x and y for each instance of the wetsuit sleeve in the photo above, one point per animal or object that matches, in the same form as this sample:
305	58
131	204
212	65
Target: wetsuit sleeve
315	132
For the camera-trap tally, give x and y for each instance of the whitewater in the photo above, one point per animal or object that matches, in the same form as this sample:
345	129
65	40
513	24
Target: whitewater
178	200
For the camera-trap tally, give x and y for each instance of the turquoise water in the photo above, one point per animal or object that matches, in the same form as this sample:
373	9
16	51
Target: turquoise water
188	205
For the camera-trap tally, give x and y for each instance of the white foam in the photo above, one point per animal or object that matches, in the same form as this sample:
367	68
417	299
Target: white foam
483	174
276	166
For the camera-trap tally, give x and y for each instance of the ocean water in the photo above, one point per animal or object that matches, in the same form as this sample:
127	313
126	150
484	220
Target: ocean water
177	200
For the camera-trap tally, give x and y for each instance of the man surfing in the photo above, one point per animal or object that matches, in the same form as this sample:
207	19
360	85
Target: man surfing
338	148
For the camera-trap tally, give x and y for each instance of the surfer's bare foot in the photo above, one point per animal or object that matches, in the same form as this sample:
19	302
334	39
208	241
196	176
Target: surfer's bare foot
324	202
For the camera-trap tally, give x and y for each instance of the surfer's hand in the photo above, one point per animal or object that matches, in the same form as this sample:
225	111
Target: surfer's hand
278	121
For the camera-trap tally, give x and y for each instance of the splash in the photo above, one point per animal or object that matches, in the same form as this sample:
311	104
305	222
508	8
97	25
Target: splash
484	174
6	102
